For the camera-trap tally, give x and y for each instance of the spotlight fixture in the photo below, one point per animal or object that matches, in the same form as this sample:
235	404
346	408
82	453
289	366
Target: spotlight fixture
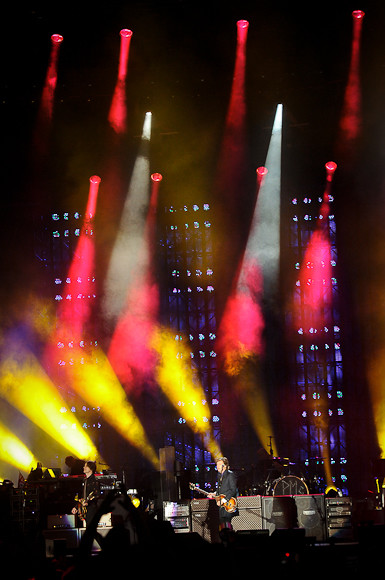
332	491
358	14
125	33
262	171
57	38
331	167
243	24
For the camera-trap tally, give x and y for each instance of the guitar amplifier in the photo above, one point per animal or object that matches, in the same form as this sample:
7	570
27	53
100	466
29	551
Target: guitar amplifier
339	518
206	523
172	509
178	514
249	516
200	505
249	501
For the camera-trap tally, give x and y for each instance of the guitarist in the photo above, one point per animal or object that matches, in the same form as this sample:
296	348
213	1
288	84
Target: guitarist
226	486
88	504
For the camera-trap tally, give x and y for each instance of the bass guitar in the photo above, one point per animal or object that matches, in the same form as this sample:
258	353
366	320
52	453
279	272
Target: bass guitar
82	504
230	505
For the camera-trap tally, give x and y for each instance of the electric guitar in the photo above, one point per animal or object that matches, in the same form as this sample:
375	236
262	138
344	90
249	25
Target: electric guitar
230	505
82	504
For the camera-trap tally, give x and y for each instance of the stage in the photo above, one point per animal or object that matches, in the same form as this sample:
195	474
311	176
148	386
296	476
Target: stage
278	533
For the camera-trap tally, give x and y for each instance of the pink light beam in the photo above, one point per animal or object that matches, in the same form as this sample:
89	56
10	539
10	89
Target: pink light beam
117	116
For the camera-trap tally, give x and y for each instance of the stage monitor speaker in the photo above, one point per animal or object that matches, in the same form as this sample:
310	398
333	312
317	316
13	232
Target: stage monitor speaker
206	522
311	515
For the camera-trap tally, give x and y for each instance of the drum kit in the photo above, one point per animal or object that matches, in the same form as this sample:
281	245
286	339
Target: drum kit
283	477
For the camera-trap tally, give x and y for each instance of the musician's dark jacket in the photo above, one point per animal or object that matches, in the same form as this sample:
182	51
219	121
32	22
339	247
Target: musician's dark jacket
227	486
91	486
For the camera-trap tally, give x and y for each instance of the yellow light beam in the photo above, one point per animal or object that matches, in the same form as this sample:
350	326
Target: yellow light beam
14	452
253	396
26	386
180	383
376	368
95	381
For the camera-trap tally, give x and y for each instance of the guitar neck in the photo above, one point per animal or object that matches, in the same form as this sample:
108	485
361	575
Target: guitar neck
200	490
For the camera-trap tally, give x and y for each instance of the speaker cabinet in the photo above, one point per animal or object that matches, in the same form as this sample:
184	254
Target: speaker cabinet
249	514
205	519
249	501
279	512
311	515
299	511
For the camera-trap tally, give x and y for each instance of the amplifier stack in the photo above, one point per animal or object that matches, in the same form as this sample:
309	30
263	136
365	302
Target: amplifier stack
339	518
178	514
320	517
205	519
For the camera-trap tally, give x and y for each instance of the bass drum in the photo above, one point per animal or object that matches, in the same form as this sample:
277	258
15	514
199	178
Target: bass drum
290	485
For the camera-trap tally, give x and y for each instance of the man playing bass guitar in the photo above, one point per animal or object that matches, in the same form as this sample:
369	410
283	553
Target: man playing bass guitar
227	490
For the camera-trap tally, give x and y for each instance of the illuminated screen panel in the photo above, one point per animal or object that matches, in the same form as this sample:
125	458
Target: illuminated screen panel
189	309
317	361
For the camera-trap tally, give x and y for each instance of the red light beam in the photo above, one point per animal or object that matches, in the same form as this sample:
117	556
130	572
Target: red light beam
232	155
51	77
47	99
118	111
316	270
74	311
350	123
